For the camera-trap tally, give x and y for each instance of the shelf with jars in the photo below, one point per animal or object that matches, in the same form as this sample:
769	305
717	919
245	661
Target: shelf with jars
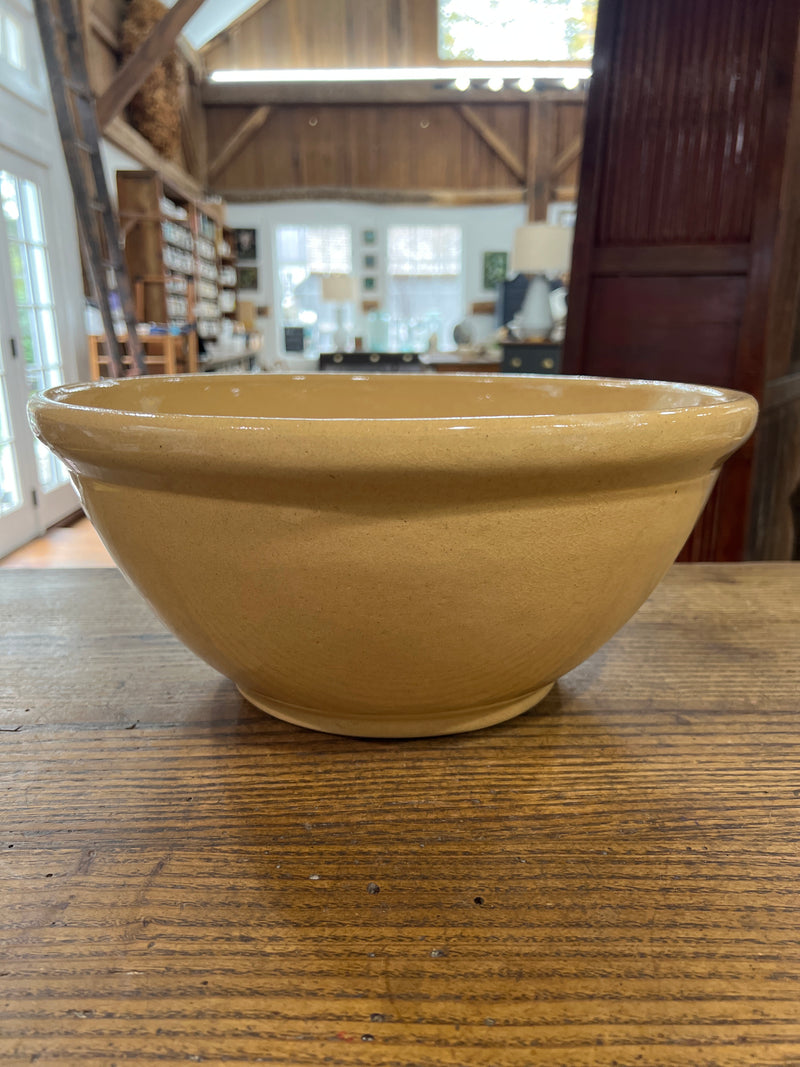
174	252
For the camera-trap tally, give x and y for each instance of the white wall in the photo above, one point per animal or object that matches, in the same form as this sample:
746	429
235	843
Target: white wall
115	159
485	229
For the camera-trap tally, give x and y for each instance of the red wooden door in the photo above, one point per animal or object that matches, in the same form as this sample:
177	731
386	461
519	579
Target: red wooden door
682	167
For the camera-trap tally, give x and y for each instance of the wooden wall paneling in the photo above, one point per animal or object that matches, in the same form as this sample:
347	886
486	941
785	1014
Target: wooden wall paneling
414	147
775	511
775	514
424	34
763	475
364	132
568	133
596	125
102	42
337	33
783	315
499	145
671	260
684	123
682	162
679	329
238	139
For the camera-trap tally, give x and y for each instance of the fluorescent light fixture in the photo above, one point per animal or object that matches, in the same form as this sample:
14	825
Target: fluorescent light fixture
462	84
398	74
495	84
525	84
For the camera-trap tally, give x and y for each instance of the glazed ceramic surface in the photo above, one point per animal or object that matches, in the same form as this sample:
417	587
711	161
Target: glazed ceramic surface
393	556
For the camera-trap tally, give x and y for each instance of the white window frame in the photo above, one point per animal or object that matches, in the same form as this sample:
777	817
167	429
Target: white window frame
28	82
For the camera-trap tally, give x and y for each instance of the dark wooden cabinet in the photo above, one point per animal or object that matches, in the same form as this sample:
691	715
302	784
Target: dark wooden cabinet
371	362
687	244
531	357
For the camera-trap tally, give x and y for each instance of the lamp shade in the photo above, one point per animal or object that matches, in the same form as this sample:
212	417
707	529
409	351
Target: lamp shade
339	288
541	249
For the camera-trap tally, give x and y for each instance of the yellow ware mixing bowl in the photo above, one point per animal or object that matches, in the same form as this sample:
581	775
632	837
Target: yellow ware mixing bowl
396	555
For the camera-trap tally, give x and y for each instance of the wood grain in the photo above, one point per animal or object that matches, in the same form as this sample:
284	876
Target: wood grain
370	147
339	33
238	139
133	73
73	544
610	879
687	183
489	136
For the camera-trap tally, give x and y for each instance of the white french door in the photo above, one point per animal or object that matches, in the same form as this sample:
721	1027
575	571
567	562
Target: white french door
34	488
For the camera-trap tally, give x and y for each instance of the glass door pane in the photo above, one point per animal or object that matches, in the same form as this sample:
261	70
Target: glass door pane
35	490
21	204
10	486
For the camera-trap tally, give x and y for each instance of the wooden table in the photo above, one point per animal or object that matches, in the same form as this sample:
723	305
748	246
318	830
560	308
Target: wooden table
611	879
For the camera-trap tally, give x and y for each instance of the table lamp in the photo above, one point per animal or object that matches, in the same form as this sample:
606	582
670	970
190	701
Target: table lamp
539	250
339	289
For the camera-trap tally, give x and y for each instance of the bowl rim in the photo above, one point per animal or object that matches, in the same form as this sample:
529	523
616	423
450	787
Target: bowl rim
654	443
60	397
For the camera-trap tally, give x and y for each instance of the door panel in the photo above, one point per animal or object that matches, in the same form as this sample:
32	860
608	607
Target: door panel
35	489
678	213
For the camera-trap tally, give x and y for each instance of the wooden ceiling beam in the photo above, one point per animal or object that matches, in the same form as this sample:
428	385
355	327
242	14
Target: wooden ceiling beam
436	91
441	197
538	181
567	157
502	150
132	74
233	146
126	138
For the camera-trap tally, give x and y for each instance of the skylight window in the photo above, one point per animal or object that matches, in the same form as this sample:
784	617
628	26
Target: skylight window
536	30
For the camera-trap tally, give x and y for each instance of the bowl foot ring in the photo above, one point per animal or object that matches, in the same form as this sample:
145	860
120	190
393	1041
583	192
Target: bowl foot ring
389	725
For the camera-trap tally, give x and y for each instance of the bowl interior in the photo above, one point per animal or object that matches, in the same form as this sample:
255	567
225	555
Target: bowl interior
387	397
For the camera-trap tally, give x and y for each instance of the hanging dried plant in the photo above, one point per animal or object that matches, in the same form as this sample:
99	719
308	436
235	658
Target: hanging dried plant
155	111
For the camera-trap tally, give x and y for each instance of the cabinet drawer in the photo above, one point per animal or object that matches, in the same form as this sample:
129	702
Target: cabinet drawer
533	359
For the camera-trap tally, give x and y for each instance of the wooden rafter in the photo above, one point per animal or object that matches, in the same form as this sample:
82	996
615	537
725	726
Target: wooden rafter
502	150
540	154
126	138
566	157
135	70
440	197
245	132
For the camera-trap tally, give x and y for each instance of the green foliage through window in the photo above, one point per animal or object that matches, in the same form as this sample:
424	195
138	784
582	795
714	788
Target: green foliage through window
520	30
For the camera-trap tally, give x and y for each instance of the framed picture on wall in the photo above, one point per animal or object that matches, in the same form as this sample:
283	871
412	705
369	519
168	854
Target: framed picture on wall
294	339
370	262
247	277
495	266
562	213
245	244
369	237
369	284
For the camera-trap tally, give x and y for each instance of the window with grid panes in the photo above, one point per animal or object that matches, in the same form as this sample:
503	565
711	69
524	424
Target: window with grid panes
304	254
33	296
424	285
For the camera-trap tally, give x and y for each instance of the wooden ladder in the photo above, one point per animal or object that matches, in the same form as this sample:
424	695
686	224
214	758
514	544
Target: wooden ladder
98	229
